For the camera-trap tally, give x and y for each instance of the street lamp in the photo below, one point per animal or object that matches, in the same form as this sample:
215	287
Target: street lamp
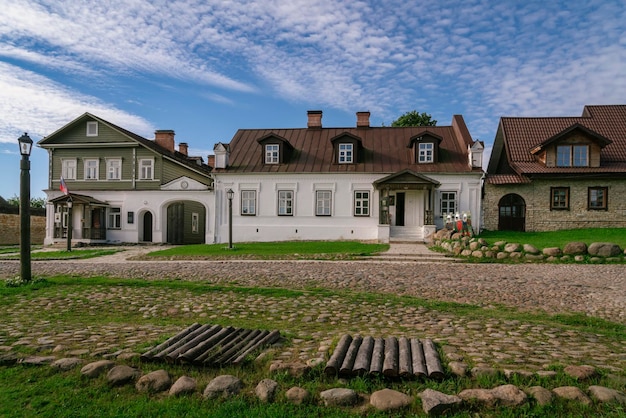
69	223
229	195
26	146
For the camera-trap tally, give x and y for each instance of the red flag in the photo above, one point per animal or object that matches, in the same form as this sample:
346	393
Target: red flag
64	187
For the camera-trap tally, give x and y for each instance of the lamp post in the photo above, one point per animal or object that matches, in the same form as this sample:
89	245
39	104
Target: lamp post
230	194
26	146
69	223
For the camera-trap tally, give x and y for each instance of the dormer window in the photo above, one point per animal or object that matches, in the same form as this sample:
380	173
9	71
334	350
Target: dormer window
572	156
92	128
425	147
275	149
426	153
271	153
346	151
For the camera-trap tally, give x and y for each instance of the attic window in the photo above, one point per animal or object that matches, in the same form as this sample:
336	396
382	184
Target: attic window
572	156
271	153
426	153
92	128
345	153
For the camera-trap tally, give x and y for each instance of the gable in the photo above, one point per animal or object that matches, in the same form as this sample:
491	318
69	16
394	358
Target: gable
76	134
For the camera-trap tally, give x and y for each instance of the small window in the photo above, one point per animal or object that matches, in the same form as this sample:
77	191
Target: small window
195	221
559	198
361	203
271	153
425	152
572	156
68	169
581	155
323	199
563	156
597	198
448	203
285	203
114	169
92	128
91	169
345	153
248	202
146	169
114	218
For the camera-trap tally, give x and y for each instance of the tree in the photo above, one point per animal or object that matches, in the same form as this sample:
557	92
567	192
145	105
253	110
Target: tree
35	202
414	118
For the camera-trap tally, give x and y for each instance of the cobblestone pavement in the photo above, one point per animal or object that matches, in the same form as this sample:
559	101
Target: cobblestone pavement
596	290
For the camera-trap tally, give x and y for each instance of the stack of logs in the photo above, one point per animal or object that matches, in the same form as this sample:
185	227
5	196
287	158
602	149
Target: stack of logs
211	345
391	357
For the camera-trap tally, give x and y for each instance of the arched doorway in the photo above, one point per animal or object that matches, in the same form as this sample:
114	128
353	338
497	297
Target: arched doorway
512	213
147	227
186	223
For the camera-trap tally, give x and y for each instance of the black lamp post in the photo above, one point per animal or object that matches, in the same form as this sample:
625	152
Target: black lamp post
69	224
230	194
26	146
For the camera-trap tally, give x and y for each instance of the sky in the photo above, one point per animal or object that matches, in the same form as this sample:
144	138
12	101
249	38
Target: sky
205	68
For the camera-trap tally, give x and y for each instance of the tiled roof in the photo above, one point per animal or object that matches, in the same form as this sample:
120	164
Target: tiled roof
507	179
385	150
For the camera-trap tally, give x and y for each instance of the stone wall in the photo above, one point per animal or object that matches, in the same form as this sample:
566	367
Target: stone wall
539	217
10	229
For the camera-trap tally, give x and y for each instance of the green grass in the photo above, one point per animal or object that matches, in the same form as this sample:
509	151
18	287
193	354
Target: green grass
291	249
64	255
558	238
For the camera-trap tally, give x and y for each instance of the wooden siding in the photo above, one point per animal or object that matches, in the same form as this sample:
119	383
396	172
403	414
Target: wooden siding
77	135
170	171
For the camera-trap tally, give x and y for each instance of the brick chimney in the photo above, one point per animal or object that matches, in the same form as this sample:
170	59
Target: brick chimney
362	119
183	148
165	138
315	119
210	160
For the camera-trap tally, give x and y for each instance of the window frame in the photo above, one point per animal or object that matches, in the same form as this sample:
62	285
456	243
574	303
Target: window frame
142	176
573	156
447	200
87	169
272	153
425	152
345	153
323	202
92	128
110	166
68	168
195	223
285	202
248	203
362	203
114	218
605	198
566	198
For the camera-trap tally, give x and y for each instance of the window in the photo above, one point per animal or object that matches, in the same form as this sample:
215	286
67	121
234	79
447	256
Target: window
146	169
114	169
195	219
248	202
448	203
91	169
597	198
68	169
271	153
572	156
345	153
361	203
285	203
559	198
425	152
92	128
114	218
323	200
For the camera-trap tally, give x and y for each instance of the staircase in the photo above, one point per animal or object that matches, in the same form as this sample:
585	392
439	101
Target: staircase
406	234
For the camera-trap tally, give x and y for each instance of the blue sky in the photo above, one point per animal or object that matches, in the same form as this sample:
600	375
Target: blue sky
206	68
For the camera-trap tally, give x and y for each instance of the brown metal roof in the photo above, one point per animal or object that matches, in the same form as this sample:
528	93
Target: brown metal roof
384	150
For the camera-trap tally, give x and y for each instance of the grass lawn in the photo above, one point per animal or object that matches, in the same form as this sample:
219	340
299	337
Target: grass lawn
63	254
558	238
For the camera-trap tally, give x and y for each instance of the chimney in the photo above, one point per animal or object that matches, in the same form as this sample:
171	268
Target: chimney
165	138
315	119
362	119
210	160
183	148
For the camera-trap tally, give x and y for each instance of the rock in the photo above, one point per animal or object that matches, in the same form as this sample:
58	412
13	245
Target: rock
466	253
579	258
483	242
293	369
339	397
552	252
8	359
509	395
479	371
512	248
38	360
224	386
66	363
183	385
297	395
533	257
483	396
530	249
266	390
474	246
542	395
96	368
546	373
314	362
477	254
515	254
575	248
502	255
122	374
572	393
154	382
604	249
389	400
437	403
458	368
602	394
580	372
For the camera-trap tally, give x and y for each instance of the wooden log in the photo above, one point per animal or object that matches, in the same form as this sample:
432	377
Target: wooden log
418	360
348	361
201	334
267	340
218	347
433	363
390	364
364	357
405	362
147	356
335	361
251	342
378	356
194	353
237	345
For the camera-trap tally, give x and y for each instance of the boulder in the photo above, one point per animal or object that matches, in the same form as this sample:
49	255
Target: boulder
437	403
604	249
482	396
96	368
513	248
482	371
339	397
458	368
390	400
38	360
580	372
66	363
575	248
552	252
530	249
225	386
542	395
183	385
294	369
477	254
266	390
502	255
154	382
602	394
297	395
474	246
509	395
572	393
121	375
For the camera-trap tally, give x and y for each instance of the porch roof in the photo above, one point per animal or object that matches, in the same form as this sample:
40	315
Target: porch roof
79	198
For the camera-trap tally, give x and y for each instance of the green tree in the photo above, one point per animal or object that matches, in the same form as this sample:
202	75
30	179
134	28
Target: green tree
35	202
414	118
